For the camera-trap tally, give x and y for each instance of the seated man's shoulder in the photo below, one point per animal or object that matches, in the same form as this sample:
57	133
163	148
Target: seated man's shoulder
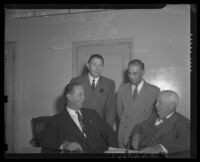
182	119
78	79
56	118
88	111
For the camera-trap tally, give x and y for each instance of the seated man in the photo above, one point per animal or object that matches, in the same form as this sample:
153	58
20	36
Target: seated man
76	128
166	131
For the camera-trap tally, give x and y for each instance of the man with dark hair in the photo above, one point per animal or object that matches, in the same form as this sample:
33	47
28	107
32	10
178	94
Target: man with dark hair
77	129
99	90
164	131
135	100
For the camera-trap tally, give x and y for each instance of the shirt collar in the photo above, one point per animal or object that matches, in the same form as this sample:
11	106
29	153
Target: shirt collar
91	79
139	86
72	112
168	116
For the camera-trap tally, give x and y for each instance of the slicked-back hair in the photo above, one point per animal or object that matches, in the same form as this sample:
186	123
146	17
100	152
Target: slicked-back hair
96	56
136	62
69	87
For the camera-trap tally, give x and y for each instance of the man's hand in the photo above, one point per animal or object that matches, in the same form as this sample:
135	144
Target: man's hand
135	141
152	150
72	146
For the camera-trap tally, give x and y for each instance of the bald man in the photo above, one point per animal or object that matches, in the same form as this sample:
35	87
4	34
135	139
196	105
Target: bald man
165	131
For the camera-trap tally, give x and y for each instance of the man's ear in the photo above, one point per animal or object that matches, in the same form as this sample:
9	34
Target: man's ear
69	96
172	106
143	72
87	66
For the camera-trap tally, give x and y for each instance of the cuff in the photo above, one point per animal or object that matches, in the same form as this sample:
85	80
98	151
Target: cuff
163	148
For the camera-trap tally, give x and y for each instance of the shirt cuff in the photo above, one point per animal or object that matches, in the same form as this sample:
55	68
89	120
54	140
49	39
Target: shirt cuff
163	148
61	147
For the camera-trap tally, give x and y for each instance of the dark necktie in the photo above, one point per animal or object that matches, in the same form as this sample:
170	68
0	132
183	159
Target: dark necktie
135	93
80	121
93	84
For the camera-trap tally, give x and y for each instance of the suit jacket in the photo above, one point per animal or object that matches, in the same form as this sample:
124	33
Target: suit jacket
102	99
133	112
173	133
61	127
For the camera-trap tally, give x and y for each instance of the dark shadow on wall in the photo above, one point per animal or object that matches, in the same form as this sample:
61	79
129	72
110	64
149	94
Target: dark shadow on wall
60	103
125	76
84	70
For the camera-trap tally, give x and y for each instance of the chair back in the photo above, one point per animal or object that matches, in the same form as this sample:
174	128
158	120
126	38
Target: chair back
38	125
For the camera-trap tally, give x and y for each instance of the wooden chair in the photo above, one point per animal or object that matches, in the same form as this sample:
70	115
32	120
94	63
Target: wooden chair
38	125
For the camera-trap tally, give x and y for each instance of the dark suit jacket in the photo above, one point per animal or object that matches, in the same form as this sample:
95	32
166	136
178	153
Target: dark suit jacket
102	99
173	133
61	127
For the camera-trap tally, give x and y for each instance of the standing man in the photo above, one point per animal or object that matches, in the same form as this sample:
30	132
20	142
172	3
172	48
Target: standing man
135	100
76	128
99	90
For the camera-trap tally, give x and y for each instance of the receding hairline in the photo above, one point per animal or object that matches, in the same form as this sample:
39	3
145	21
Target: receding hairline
136	62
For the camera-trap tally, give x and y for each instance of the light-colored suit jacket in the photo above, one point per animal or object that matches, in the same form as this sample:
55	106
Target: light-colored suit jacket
102	99
133	112
173	133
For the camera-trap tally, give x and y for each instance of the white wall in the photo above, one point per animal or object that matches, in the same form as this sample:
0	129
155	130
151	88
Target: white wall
44	54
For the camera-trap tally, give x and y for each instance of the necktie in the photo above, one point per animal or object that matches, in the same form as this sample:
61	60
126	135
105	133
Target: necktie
80	121
93	84
135	93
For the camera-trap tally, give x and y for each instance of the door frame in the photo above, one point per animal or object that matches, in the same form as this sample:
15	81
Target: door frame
9	105
92	43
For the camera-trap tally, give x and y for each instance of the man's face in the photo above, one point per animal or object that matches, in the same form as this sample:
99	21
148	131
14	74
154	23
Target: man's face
77	97
135	74
162	107
95	67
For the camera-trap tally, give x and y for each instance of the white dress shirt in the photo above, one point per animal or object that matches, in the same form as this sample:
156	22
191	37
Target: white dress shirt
139	87
159	121
74	116
91	79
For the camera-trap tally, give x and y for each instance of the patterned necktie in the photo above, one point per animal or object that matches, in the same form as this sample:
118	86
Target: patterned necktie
80	121
93	84
135	93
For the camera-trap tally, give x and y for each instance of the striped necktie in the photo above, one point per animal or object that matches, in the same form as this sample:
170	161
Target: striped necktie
80	121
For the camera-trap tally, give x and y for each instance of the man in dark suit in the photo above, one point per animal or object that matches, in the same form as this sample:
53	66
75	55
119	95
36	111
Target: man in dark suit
76	128
135	100
99	90
164	131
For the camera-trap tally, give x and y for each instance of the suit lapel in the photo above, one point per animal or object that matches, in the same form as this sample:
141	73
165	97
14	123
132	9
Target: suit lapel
165	126
87	89
71	125
141	93
100	84
148	126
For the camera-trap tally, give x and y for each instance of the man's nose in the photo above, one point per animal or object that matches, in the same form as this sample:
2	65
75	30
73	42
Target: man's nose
83	97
